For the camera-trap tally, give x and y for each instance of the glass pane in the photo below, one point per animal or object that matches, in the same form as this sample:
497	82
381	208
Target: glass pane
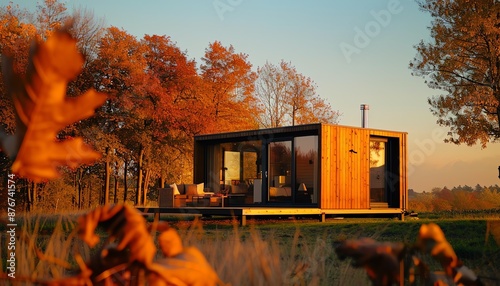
249	165
377	171
280	171
233	168
306	170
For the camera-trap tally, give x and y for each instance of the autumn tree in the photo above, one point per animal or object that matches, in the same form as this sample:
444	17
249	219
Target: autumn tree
119	71
228	89
271	91
463	61
287	97
50	16
178	104
88	30
153	88
15	39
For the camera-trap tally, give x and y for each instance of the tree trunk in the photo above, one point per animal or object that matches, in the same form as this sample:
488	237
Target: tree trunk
25	187
80	192
75	185
138	196
498	119
90	194
79	188
146	184
162	179
125	190
115	197
107	177
34	195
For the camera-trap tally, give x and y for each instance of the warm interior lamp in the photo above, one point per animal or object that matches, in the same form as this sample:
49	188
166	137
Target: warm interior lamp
303	187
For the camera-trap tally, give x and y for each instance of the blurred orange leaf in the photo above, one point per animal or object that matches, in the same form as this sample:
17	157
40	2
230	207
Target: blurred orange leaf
134	243
42	110
123	223
380	259
493	228
431	240
181	265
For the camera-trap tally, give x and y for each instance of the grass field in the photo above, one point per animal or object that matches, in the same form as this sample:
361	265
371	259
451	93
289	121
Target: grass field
266	252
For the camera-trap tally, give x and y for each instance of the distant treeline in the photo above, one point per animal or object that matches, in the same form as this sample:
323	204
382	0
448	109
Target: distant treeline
456	199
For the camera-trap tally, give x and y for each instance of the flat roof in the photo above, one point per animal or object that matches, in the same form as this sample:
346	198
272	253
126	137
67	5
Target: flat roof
277	130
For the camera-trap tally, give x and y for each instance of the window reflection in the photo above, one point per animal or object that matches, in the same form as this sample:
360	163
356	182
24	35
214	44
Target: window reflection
306	168
280	171
233	167
377	170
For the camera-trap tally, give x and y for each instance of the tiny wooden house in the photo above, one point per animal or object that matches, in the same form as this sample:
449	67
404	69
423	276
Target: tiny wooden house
330	167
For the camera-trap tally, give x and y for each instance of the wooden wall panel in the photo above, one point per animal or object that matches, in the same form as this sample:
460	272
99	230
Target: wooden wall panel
335	174
324	166
404	170
364	172
341	166
324	160
328	173
345	174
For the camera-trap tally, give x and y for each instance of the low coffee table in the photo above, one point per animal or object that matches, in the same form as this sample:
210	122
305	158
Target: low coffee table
218	201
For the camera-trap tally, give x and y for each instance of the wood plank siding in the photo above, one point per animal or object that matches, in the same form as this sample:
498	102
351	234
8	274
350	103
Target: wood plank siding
345	166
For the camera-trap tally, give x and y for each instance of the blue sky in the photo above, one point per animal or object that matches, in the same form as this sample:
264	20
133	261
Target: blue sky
356	52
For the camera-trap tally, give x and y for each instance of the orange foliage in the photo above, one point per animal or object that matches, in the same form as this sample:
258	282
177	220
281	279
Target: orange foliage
228	85
42	109
458	199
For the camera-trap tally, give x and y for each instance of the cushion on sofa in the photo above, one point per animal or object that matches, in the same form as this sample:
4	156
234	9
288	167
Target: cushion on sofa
175	188
195	189
181	190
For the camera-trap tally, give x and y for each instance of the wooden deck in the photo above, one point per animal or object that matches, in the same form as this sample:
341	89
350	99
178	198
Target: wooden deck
243	212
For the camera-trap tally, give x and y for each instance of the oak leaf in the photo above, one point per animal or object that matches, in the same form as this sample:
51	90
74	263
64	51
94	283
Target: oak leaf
42	110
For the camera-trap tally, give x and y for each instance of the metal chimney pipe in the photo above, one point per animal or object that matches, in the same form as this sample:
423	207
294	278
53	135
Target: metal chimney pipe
364	115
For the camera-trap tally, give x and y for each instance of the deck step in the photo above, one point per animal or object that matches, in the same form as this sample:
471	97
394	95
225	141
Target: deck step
379	205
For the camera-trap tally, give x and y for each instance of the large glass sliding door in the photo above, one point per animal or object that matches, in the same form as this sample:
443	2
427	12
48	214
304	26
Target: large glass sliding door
279	174
232	168
306	169
292	170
